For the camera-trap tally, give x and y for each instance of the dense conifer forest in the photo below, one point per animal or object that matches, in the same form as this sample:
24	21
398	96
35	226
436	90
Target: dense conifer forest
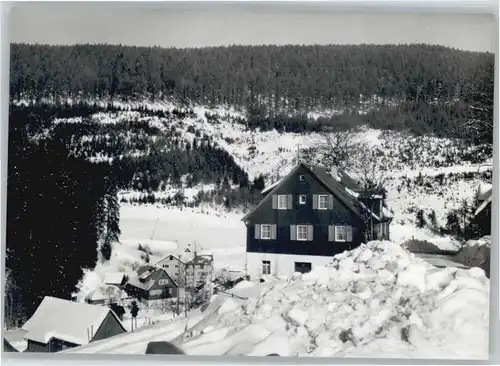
419	87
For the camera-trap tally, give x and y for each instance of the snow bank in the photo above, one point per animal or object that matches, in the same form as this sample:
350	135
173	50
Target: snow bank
375	301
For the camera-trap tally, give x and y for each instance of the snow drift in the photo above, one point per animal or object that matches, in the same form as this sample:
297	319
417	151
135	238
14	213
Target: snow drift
378	300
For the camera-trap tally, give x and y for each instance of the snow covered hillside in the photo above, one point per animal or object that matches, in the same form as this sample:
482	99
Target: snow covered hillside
429	173
375	301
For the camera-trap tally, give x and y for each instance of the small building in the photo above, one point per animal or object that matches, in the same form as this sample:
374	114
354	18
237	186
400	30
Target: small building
59	324
117	279
482	215
106	295
308	217
152	284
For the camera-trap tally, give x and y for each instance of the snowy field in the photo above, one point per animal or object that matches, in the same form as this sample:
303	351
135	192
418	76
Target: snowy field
375	301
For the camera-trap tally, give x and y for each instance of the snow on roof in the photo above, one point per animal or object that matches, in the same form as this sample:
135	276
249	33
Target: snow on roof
105	292
271	186
368	210
483	205
69	321
351	192
484	191
114	278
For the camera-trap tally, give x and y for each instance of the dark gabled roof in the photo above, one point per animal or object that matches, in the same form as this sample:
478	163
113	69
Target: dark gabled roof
146	283
337	187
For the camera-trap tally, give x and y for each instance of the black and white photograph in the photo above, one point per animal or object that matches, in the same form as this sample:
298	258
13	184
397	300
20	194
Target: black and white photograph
248	179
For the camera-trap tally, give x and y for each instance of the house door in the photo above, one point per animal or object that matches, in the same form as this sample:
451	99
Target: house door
302	267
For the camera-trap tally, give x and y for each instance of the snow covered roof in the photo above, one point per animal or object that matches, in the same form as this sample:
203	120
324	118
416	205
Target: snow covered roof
483	205
74	322
271	186
114	278
106	292
484	191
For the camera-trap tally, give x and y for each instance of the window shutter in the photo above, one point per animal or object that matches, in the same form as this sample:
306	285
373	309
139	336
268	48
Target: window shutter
257	231
331	233
289	201
330	201
315	201
293	232
310	232
335	233
273	231
275	201
349	233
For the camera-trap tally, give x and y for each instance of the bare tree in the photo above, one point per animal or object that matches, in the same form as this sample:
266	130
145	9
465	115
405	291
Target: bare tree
372	180
338	148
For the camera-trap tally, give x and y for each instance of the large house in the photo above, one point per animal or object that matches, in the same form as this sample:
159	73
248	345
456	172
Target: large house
187	269
152	285
59	324
309	216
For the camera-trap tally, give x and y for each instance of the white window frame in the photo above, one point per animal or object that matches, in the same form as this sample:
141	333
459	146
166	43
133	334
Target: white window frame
268	227
162	282
266	267
285	201
298	231
302	178
302	199
155	292
345	228
320	196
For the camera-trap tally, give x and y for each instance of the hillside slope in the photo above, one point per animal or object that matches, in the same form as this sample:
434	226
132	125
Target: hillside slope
428	173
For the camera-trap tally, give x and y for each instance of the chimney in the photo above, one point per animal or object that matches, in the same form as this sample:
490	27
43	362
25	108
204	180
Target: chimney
334	171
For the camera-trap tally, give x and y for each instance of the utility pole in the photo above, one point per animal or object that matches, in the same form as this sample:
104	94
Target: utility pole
298	154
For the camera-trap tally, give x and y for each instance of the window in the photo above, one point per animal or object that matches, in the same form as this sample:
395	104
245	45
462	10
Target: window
265	231
302	232
282	202
322	202
170	291
155	292
302	199
343	233
176	266
302	178
162	282
302	267
201	266
165	266
176	273
171	258
266	267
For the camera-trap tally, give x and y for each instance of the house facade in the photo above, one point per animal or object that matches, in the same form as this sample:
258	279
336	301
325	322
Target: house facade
308	217
152	285
199	270
188	269
59	324
174	266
